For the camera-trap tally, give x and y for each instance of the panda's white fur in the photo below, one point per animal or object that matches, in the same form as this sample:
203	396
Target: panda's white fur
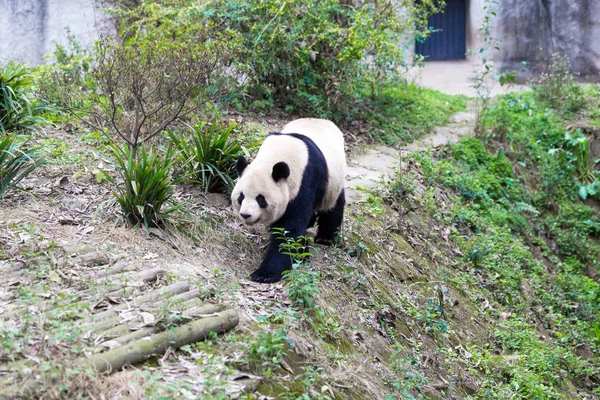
291	147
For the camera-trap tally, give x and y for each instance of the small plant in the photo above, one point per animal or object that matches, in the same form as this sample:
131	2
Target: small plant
406	373
301	283
16	162
146	188
209	157
16	109
557	88
267	350
70	67
590	182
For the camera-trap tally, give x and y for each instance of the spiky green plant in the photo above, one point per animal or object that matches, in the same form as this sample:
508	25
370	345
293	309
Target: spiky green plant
209	157
16	111
16	162
147	188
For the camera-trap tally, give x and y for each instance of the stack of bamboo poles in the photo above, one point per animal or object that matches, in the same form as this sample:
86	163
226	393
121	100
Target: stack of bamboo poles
126	333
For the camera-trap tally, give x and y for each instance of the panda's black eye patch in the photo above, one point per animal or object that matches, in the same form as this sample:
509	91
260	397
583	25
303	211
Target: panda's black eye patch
262	202
241	198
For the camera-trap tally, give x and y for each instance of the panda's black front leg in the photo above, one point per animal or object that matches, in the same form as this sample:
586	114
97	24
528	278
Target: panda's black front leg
273	264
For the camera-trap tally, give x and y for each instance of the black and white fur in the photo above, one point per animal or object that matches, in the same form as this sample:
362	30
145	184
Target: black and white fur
297	179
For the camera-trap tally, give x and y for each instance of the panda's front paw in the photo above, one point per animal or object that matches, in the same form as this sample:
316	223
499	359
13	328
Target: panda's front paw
264	276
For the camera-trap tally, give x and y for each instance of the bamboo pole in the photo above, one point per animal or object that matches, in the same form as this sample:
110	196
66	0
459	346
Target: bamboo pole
176	288
141	350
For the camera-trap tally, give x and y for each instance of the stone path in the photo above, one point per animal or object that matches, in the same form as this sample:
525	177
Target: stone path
367	169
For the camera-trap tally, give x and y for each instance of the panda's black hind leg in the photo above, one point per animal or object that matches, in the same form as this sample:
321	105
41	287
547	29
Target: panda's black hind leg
330	221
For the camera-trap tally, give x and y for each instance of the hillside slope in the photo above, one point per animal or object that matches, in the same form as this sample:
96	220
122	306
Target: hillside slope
469	274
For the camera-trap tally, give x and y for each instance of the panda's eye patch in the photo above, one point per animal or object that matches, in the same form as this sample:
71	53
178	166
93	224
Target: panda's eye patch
262	202
241	198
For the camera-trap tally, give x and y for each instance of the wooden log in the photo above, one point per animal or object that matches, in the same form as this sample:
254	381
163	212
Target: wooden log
118	331
137	351
111	271
118	290
130	337
176	288
103	324
205	309
97	257
148	275
142	349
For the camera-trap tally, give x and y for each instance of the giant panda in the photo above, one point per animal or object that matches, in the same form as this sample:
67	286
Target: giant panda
296	179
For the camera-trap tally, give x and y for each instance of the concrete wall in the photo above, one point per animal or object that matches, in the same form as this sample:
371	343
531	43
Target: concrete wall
475	16
29	28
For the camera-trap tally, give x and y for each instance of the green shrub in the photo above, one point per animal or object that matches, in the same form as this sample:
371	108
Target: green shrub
147	83
307	57
16	109
146	188
471	151
16	162
70	67
209	157
501	166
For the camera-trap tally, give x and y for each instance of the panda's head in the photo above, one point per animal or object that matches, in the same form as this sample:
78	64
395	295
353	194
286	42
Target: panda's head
261	193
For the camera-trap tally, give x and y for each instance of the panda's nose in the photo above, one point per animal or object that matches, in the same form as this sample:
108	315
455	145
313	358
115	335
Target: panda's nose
245	216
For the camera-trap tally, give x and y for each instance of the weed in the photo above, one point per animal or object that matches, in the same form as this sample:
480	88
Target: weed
16	162
406	375
557	88
589	179
267	350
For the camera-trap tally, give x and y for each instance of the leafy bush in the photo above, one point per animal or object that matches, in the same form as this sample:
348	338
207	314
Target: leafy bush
146	188
16	109
471	151
146	83
557	87
309	57
70	67
16	162
209	157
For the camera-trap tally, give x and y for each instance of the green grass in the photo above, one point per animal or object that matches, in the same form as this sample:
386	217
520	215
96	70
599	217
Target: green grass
405	112
531	245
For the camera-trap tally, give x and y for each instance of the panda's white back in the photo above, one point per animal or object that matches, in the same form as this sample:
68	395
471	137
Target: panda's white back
330	140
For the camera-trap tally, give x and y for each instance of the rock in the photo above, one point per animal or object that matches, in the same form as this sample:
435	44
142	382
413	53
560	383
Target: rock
532	30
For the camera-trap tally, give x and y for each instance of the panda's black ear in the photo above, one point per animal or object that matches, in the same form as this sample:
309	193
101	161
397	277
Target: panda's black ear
241	165
280	171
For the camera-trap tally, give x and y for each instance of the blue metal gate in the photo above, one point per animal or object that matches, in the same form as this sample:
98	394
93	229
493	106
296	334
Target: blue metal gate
449	42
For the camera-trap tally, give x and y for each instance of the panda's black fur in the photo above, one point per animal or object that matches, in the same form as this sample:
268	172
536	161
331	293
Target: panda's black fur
301	212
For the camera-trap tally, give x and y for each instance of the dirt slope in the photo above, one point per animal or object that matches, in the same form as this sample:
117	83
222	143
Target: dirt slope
377	288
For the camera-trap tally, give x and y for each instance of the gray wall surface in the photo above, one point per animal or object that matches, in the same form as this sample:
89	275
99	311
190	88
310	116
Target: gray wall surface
532	30
30	28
